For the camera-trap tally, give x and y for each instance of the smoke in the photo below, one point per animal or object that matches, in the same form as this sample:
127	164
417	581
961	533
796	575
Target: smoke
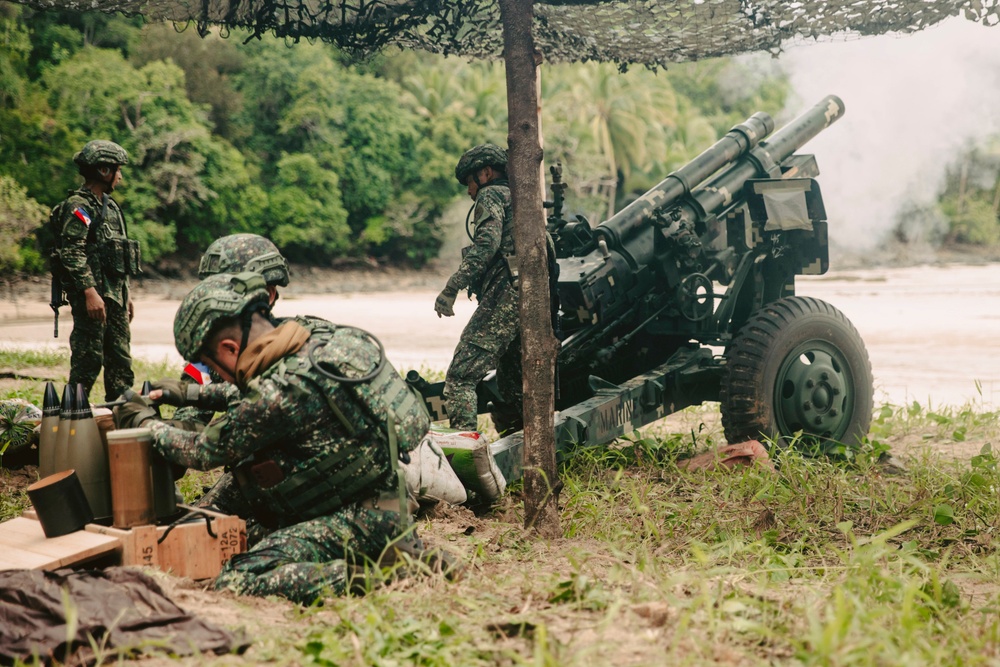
913	102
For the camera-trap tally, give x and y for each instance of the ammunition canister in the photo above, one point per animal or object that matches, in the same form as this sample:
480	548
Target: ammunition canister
131	477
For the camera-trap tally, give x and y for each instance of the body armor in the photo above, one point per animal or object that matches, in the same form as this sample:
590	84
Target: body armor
383	416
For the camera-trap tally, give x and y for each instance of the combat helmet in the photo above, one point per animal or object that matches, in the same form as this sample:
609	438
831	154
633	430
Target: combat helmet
99	152
245	252
220	296
477	157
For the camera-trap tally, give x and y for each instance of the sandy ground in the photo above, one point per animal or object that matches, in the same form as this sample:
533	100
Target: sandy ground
932	332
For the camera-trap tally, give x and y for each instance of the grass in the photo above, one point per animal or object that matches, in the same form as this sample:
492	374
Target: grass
55	363
827	562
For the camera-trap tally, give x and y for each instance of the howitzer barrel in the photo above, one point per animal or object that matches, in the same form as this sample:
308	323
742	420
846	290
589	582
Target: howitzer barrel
636	216
762	161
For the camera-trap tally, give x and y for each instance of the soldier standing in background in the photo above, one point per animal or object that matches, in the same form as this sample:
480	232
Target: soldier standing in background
491	339
314	441
95	260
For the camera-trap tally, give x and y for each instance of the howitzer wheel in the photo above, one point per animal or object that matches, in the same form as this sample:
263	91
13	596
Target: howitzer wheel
798	365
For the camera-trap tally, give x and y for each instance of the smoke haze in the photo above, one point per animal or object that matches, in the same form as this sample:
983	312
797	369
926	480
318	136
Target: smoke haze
912	103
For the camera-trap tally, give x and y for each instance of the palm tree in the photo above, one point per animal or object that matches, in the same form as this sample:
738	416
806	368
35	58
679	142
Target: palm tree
627	119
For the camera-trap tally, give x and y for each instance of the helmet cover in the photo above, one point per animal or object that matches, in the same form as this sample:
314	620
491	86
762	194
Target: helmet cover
245	252
100	152
477	157
217	297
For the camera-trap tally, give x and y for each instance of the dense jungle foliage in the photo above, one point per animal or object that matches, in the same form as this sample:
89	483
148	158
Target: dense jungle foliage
333	159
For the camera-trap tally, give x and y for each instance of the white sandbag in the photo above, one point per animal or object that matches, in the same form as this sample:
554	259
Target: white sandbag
430	478
472	458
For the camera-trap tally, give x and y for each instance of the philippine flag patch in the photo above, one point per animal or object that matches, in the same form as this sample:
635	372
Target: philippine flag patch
82	215
198	373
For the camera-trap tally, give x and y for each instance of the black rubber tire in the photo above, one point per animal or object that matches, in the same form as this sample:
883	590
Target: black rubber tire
798	365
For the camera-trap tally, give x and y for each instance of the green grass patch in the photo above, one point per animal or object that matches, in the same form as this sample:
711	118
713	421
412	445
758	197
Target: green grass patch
823	561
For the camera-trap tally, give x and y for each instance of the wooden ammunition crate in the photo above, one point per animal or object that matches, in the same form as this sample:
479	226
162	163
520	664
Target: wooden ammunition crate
185	550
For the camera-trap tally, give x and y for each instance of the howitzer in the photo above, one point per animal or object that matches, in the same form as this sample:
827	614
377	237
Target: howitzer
705	260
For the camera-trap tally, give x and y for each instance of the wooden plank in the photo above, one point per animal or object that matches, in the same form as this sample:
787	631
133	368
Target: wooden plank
187	551
232	532
23	545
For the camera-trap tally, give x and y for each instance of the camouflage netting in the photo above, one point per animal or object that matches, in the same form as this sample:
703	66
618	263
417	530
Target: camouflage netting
652	32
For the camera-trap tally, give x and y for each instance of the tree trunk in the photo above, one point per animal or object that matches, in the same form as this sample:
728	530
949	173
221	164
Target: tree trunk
538	342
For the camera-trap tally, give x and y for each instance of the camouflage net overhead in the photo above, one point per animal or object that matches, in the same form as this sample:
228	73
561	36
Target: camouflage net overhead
650	32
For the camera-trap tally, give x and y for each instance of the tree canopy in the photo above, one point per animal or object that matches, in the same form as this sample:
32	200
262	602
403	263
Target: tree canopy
333	158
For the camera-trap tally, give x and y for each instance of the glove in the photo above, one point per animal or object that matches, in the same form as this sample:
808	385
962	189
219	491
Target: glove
136	410
178	392
444	302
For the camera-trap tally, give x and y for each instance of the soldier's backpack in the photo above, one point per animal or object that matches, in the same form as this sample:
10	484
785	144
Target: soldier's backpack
376	405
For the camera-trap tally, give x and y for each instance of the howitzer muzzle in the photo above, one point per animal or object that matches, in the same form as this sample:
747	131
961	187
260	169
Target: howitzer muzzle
763	161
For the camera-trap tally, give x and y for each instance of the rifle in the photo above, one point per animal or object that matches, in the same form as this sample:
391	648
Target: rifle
56	298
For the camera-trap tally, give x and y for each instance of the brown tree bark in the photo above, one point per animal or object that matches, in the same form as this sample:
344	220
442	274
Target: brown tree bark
538	342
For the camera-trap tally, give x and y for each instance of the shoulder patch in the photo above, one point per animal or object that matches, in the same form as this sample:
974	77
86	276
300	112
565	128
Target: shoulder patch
82	216
198	373
482	214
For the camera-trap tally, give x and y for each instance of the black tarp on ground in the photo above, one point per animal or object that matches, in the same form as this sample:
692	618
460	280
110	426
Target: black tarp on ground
118	609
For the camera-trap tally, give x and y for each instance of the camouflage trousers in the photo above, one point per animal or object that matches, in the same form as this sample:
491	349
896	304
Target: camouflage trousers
312	559
491	340
94	344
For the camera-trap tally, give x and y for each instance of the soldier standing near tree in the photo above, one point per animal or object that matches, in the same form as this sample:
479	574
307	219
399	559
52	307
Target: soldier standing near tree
95	260
491	339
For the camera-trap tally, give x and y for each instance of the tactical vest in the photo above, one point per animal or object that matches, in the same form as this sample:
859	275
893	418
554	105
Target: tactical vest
117	256
386	412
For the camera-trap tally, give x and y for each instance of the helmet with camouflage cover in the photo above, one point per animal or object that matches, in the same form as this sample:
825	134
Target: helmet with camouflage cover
245	252
474	159
101	151
220	296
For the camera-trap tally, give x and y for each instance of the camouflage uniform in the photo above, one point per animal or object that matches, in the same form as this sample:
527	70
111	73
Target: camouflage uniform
491	339
303	559
314	558
286	426
92	342
216	391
